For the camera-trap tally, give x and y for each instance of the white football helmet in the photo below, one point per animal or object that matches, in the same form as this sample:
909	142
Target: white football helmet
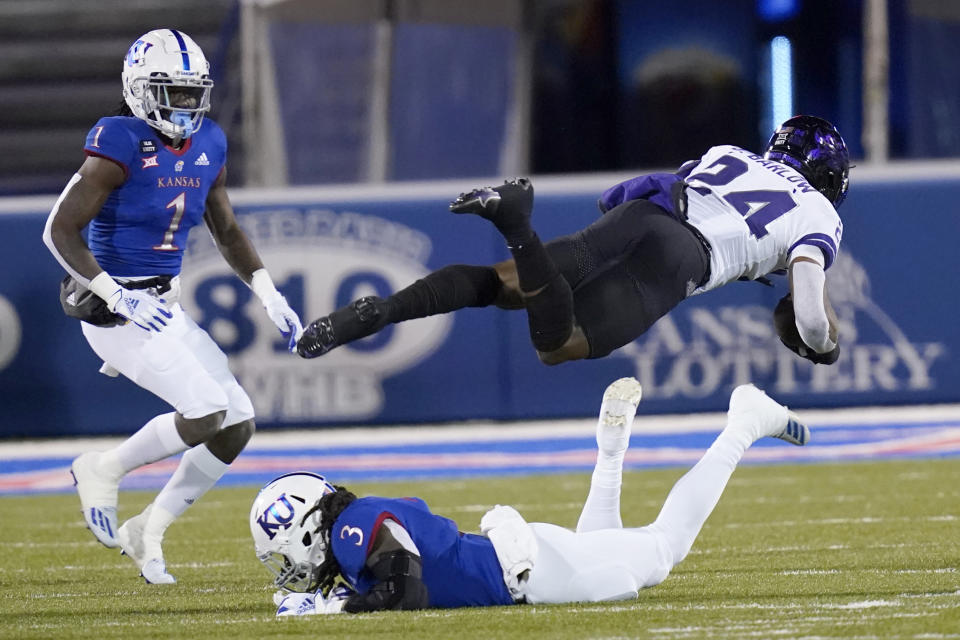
285	537
166	82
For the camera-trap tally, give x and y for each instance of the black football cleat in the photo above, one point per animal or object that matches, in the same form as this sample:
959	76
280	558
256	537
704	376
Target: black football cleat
358	319
506	205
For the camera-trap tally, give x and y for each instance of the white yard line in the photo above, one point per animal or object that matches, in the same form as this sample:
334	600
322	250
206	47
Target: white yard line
486	431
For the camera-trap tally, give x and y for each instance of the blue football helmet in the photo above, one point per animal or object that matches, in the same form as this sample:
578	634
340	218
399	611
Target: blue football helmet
816	150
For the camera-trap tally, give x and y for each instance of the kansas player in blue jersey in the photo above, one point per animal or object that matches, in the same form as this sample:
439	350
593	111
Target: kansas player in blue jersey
394	553
150	175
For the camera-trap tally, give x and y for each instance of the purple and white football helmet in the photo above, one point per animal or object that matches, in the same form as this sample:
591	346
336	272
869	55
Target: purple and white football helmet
816	150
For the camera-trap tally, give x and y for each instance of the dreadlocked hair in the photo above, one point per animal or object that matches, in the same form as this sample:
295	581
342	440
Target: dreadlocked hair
123	109
330	507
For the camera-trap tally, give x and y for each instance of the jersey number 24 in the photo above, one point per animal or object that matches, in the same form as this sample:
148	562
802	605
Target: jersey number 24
759	208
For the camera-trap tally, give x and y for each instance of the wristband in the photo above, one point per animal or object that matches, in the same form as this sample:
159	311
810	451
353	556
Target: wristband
262	285
103	286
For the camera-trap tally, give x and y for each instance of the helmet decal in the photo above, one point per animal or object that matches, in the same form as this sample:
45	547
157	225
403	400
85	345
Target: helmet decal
183	49
136	52
272	519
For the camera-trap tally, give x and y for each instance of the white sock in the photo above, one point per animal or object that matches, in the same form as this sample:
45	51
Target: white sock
156	440
602	507
198	471
158	519
694	496
601	510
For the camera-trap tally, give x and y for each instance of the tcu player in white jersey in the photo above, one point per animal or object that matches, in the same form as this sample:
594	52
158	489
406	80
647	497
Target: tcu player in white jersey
394	553
663	237
151	173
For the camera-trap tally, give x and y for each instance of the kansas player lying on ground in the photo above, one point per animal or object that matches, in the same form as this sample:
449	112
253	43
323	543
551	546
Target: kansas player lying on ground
731	215
393	553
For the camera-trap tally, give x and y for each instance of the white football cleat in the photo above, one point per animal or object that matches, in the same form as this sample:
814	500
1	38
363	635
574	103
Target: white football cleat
754	411
98	498
617	411
154	571
146	555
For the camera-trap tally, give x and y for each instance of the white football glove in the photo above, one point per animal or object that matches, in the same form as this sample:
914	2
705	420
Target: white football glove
286	320
309	604
279	312
334	602
139	307
298	604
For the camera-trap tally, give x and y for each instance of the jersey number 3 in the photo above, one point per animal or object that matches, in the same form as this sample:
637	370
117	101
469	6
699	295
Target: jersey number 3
179	205
348	532
759	208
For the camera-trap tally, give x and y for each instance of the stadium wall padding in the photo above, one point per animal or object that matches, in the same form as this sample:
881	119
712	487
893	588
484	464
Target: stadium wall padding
892	287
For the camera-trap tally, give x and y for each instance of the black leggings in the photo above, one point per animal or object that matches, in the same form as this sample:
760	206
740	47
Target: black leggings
627	270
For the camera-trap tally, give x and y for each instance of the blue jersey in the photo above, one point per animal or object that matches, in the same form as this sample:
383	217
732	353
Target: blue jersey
459	569
143	225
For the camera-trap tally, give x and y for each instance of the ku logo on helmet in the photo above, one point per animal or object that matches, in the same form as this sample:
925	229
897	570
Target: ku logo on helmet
137	51
280	520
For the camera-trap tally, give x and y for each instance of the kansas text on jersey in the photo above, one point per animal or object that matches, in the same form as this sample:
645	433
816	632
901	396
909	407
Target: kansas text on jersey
143	225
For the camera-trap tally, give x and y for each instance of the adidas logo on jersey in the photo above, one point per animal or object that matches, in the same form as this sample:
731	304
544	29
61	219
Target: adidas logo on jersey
202	160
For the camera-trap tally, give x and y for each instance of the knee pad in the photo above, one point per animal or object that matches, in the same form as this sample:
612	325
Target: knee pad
204	397
239	407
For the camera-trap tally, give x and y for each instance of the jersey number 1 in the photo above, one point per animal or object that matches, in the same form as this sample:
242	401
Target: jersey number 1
179	205
759	208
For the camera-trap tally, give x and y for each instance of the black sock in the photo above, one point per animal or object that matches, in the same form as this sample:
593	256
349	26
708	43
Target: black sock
550	315
550	309
535	268
516	232
448	289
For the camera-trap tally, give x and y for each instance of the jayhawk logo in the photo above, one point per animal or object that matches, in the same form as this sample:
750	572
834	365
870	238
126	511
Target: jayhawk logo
137	51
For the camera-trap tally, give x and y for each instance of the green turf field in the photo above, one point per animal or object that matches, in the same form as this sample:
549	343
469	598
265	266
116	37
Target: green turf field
867	550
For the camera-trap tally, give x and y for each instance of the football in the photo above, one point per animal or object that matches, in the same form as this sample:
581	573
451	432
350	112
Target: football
785	322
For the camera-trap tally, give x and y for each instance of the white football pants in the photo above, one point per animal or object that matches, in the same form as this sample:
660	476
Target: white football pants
181	364
614	563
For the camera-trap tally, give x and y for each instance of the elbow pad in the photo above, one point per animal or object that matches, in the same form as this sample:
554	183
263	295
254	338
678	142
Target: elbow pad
400	586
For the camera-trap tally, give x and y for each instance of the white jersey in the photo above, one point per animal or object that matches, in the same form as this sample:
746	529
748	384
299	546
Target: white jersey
757	215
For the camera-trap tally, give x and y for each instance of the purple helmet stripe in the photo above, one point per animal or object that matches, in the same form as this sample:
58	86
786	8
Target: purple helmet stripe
183	49
823	242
